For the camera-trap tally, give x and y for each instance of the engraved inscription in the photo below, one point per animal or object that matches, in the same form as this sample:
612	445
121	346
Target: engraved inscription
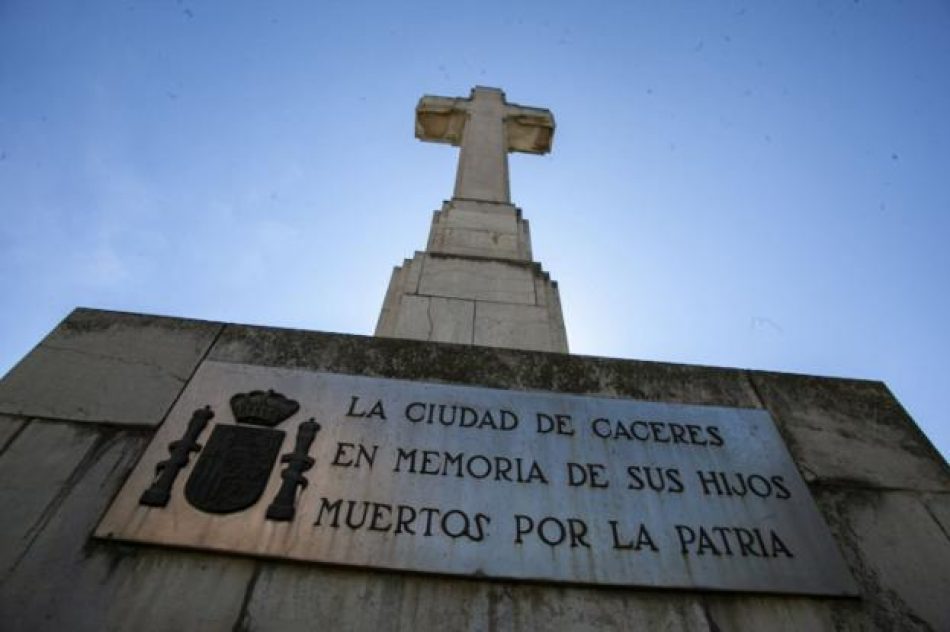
474	481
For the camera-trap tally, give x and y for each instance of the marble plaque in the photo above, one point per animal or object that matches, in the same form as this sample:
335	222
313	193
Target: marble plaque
480	482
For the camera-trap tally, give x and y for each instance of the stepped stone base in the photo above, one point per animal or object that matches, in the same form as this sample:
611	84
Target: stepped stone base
475	284
445	298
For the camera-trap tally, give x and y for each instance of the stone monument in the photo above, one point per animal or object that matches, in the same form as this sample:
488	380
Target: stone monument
476	282
172	474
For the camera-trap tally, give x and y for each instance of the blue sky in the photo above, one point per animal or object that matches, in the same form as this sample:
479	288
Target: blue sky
761	185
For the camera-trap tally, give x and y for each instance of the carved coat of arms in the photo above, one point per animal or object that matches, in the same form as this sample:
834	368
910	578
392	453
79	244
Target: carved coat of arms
233	468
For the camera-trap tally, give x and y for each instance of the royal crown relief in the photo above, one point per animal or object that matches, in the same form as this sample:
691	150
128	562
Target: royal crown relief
233	469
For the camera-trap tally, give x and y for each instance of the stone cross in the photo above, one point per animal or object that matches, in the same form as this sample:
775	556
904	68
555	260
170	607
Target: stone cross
477	282
486	127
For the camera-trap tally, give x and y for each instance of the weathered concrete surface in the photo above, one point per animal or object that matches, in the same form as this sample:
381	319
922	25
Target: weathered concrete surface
784	614
850	431
887	502
898	553
288	598
515	326
34	471
479	229
436	318
62	580
480	301
120	368
494	367
480	280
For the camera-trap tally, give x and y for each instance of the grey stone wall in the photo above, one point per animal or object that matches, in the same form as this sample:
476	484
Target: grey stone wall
77	412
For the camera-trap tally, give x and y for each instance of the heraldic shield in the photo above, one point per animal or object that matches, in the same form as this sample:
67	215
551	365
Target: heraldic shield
233	468
232	471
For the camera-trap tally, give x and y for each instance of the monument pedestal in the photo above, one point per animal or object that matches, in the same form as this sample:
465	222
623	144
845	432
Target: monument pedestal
77	414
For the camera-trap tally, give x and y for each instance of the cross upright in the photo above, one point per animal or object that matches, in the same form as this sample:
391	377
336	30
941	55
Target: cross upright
486	127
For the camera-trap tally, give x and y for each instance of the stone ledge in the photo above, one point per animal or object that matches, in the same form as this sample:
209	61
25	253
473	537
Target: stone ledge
109	367
483	366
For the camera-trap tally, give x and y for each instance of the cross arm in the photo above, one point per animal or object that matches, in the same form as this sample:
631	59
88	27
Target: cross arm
442	120
530	130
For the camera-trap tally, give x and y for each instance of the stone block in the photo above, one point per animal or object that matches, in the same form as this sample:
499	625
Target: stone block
412	269
99	366
386	324
521	326
850	431
477	279
542	287
482	206
288	598
64	581
33	471
435	318
476	243
898	553
499	218
524	238
553	301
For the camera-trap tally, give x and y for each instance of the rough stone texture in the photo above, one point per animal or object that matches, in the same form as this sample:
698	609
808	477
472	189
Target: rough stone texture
120	368
288	598
507	325
494	367
887	503
851	431
404	280
33	472
737	613
437	319
480	229
519	303
475	243
898	553
65	581
479	280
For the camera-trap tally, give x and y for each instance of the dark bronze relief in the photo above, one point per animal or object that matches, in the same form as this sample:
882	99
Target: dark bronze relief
233	469
298	462
159	492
